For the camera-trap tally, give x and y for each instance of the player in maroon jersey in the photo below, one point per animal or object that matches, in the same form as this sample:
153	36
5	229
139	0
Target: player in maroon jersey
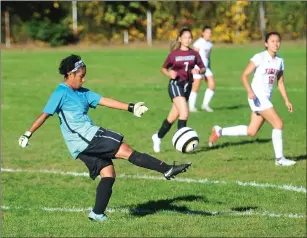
179	67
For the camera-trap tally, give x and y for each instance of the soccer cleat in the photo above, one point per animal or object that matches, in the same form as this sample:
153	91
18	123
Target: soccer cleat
284	162
156	143
193	109
207	108
176	169
92	216
215	134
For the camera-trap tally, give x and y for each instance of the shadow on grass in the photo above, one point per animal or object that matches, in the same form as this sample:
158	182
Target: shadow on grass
165	205
234	107
243	209
297	158
227	144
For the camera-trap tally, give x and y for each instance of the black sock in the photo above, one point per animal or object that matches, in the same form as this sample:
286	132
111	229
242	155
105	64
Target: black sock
103	194
181	123
148	162
166	126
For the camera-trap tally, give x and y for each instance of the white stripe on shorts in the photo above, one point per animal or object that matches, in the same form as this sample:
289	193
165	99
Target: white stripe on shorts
177	89
109	138
115	132
173	88
185	87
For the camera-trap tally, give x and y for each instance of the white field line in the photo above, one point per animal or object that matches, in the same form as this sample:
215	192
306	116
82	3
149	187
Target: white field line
289	89
148	211
287	187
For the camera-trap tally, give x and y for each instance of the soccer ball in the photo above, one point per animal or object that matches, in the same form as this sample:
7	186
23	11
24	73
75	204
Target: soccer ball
185	140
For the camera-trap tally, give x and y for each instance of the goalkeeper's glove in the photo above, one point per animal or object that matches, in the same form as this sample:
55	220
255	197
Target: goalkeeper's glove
23	140
137	109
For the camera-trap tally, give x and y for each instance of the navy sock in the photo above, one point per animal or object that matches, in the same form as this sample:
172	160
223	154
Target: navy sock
148	162
181	123
103	194
165	127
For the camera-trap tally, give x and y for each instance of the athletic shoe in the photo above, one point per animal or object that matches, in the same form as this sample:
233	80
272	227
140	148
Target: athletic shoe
156	143
207	108
92	216
284	162
215	134
193	109
176	169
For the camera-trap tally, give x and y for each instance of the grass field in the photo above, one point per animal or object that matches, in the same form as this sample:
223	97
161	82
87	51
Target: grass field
231	190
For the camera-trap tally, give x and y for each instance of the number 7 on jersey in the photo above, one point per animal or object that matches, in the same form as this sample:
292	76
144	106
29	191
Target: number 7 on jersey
186	66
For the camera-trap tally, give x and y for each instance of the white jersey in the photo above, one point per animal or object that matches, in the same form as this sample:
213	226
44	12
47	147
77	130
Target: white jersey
205	47
267	68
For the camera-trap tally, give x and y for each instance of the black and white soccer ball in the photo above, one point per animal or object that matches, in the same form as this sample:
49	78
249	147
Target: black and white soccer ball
185	140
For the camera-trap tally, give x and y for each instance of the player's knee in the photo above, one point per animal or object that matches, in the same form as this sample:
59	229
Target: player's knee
212	85
108	172
108	175
278	124
124	151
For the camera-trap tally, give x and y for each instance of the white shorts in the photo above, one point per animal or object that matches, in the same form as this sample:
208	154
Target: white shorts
208	73
261	103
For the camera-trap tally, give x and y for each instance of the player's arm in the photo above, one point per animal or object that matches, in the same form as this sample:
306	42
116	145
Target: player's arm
53	105
196	46
200	64
138	109
244	78
201	70
196	49
167	64
23	140
282	88
170	74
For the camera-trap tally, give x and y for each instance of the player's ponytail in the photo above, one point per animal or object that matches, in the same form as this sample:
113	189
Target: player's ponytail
175	44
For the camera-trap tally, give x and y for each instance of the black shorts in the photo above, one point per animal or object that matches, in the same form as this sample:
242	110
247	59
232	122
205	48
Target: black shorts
179	89
101	150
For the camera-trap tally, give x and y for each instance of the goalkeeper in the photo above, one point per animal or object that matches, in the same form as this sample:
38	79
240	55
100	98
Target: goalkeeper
95	146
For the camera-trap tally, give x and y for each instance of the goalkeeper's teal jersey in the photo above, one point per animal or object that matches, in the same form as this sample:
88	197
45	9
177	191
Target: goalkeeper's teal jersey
72	108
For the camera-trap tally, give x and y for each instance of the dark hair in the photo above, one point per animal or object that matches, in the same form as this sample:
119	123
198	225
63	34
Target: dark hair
268	35
68	64
175	44
206	27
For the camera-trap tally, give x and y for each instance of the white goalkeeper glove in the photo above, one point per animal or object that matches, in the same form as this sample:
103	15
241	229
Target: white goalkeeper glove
23	140
137	109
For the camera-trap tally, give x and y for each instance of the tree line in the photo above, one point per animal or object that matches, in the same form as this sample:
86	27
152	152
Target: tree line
105	21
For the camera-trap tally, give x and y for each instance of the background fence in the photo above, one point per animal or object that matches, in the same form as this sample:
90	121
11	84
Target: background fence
109	22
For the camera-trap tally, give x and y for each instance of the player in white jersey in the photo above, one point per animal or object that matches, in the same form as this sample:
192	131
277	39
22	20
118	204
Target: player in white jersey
267	67
203	46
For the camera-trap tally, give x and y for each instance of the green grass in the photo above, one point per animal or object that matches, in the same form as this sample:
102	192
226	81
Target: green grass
173	208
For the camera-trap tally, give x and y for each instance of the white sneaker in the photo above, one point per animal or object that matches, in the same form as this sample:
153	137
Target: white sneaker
193	109
207	108
156	143
284	162
97	217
